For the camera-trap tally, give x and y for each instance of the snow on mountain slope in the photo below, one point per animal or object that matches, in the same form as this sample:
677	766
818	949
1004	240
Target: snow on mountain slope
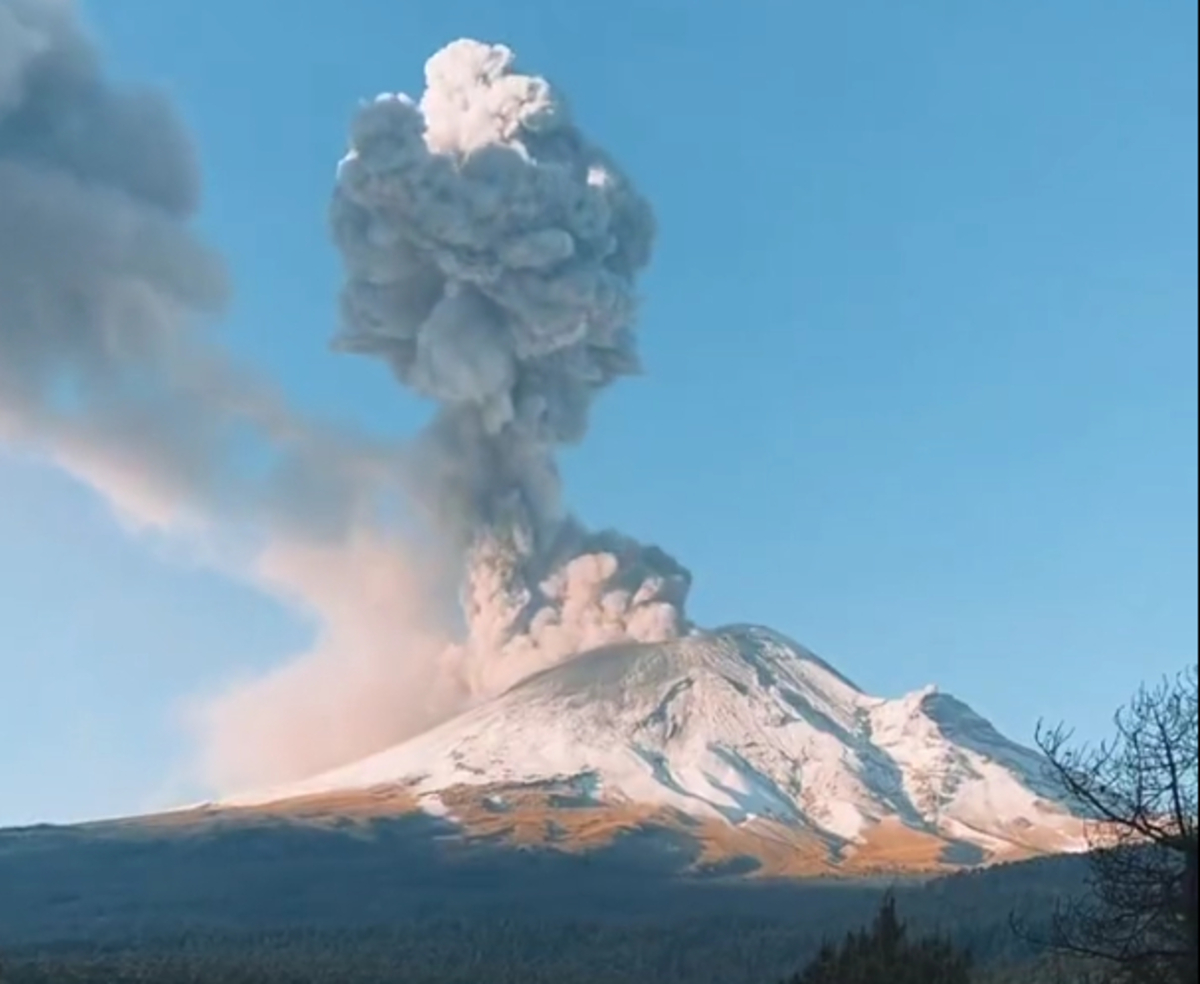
742	727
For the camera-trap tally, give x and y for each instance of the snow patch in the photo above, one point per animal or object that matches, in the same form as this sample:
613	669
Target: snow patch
734	725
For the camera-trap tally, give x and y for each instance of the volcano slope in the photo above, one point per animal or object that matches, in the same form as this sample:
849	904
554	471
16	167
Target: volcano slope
725	775
714	771
738	743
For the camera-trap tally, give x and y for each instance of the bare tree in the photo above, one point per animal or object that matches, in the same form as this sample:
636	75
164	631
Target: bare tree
1138	919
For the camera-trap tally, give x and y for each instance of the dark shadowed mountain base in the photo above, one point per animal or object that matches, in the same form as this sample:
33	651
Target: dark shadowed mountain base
405	899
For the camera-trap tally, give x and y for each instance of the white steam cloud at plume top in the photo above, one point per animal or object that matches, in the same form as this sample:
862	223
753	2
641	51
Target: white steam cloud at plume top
491	254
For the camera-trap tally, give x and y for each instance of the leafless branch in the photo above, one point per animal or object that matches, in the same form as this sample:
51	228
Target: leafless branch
1139	790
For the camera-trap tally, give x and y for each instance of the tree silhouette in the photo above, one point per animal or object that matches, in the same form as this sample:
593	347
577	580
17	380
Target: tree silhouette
885	955
1139	789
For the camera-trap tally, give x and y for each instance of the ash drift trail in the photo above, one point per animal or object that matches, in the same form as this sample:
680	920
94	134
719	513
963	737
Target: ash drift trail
491	255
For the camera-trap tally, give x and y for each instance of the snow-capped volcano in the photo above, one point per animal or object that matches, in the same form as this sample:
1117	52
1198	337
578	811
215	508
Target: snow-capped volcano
736	733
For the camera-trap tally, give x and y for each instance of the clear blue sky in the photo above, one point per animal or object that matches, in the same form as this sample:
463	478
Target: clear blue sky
920	338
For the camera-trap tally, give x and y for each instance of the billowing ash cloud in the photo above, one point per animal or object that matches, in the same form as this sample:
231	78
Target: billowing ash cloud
104	289
97	269
491	255
106	371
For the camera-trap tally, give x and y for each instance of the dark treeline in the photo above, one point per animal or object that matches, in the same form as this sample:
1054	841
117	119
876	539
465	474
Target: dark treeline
517	952
969	909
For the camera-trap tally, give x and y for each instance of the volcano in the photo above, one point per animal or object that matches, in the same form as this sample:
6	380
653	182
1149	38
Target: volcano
726	771
739	741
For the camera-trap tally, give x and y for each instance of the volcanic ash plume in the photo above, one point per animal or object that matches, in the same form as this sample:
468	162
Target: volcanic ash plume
491	254
105	370
97	269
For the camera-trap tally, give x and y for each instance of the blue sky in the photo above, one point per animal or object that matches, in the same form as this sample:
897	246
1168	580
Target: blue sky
920	339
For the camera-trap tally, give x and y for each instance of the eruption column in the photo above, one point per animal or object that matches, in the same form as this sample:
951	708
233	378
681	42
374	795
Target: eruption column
491	255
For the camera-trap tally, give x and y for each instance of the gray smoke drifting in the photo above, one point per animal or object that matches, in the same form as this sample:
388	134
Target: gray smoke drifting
106	371
103	290
491	255
98	272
